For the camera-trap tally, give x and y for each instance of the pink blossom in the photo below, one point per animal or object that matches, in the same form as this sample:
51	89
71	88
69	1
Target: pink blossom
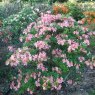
61	42
37	83
11	48
31	92
33	75
47	18
29	37
47	37
59	80
35	57
69	64
87	63
87	42
73	46
59	87
76	32
41	67
70	41
42	56
58	16
41	45
81	59
85	36
58	70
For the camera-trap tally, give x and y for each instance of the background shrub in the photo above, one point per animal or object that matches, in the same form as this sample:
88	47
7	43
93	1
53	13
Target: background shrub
60	8
14	24
75	11
7	9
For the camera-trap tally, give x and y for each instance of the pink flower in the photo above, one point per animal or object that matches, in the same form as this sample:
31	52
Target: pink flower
76	32
47	18
87	63
85	36
31	92
81	59
33	75
73	46
11	49
87	42
41	67
61	42
66	23
58	16
69	64
37	83
35	57
59	80
59	87
29	37
42	56
24	60
70	41
41	45
47	37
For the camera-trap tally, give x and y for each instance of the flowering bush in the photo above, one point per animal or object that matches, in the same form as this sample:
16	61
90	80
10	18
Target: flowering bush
54	49
60	8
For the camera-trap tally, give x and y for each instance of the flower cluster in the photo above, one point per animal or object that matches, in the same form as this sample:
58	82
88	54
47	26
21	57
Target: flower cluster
56	46
20	56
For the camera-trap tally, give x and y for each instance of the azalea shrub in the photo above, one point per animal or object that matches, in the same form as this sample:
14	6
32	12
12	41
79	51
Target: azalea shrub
55	50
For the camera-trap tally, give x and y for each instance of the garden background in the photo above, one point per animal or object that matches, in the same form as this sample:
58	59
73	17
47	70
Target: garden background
47	47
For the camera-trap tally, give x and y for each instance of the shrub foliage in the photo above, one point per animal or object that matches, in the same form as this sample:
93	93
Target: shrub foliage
55	47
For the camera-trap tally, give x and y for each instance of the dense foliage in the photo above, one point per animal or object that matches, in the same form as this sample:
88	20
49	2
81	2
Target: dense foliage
8	9
75	11
14	24
54	49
